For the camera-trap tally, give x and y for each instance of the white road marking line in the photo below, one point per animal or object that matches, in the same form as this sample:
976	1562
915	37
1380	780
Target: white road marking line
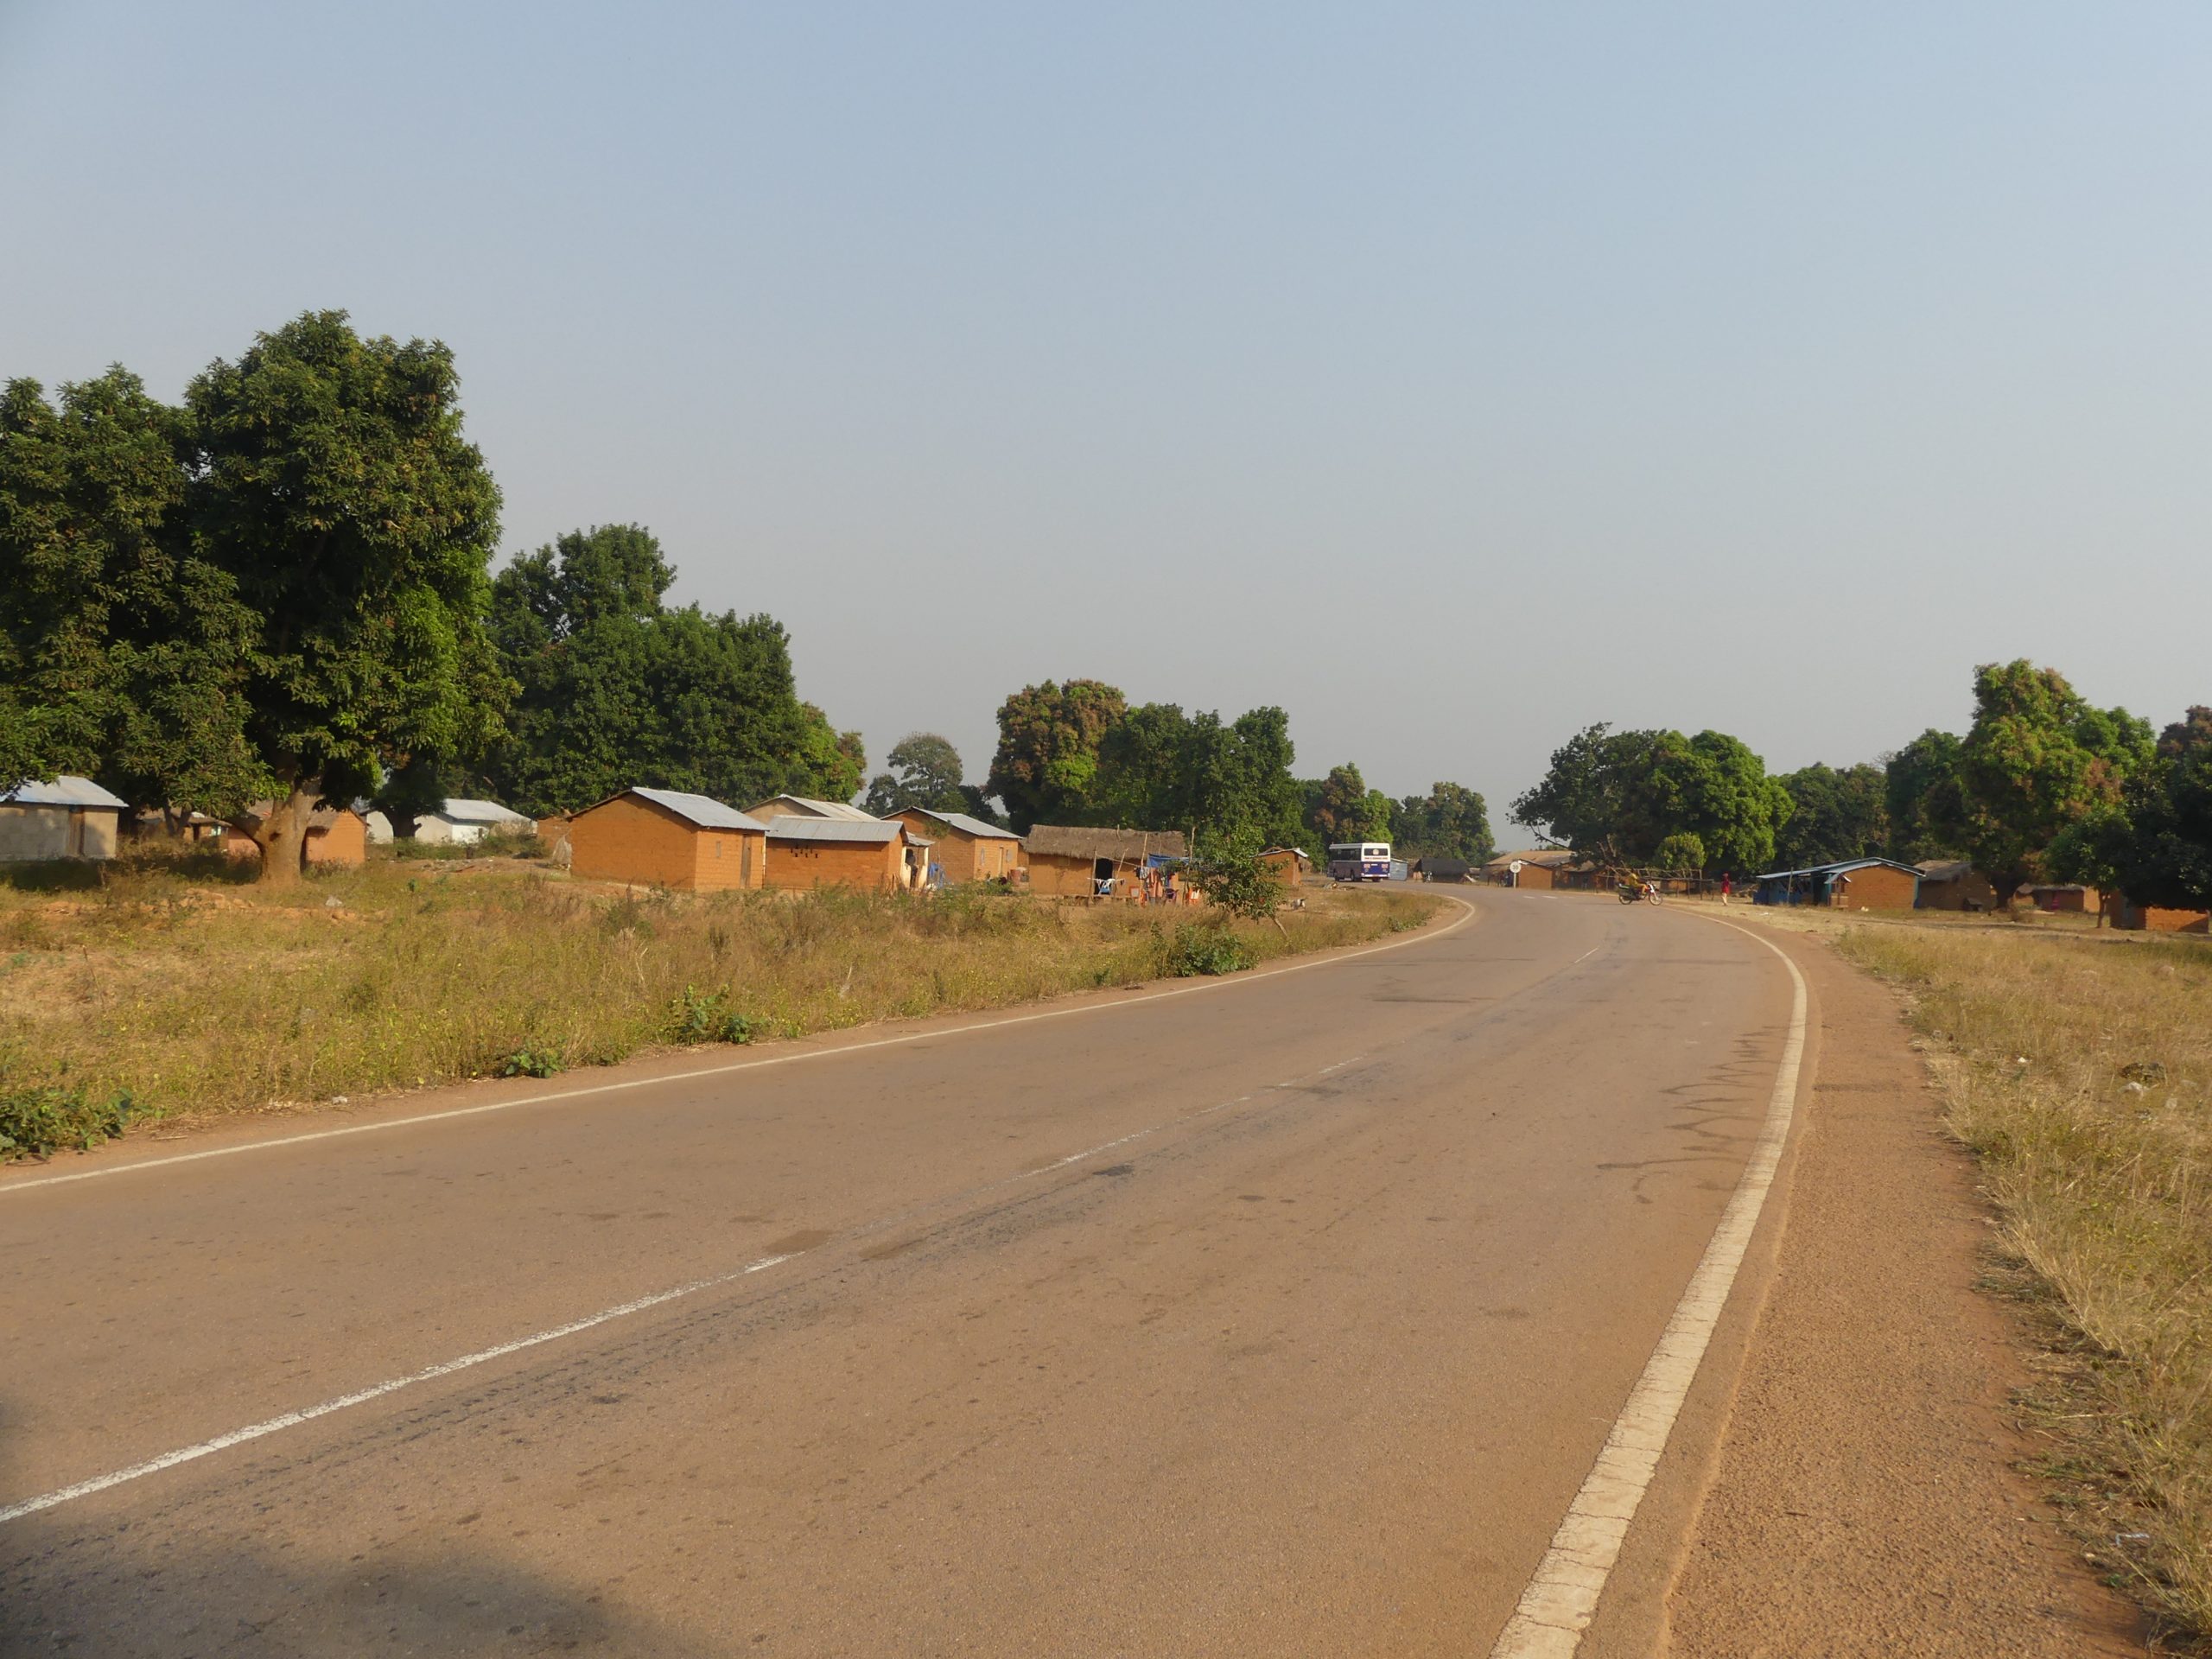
447	1367
8	1188
1561	1598
361	1396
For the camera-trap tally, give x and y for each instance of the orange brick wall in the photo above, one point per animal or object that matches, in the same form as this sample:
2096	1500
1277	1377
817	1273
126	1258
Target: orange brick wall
1052	874
1878	888
1534	876
626	840
2153	919
1284	868
344	843
803	864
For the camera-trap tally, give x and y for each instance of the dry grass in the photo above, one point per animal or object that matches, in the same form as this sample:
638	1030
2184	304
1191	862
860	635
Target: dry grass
2080	1069
196	995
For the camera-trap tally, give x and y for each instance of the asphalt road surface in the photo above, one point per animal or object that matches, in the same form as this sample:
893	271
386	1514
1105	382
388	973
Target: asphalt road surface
1283	1316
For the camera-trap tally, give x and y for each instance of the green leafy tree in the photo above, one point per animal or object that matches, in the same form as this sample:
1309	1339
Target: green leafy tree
331	482
1341	809
617	689
1713	787
1837	815
1599	795
1048	749
1235	880
1682	851
2156	846
1616	795
2038	760
1924	799
123	652
1160	768
1449	821
835	761
924	772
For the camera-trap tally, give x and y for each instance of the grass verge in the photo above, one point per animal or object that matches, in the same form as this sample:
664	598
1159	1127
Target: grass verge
2077	1069
172	995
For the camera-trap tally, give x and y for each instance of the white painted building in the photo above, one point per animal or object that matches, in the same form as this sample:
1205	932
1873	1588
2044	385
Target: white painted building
463	821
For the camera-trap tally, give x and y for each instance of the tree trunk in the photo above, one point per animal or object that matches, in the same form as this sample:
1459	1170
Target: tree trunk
283	836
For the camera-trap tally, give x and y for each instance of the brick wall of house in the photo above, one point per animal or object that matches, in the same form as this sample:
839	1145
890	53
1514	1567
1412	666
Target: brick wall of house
1877	888
344	842
804	864
627	840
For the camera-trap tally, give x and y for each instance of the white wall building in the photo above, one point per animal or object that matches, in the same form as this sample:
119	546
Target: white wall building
463	821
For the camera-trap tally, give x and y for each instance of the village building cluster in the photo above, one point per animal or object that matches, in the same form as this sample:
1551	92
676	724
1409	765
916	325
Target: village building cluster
686	842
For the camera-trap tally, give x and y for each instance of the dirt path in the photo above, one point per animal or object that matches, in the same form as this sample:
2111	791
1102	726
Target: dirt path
1863	1498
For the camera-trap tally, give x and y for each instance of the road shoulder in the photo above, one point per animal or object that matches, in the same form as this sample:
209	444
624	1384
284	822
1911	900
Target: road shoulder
1849	1487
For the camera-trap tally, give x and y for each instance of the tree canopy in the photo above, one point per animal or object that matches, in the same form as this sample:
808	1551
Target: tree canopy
1048	749
1341	808
334	487
1619	795
924	770
1451	821
617	687
2157	841
1836	814
1924	800
124	652
2038	760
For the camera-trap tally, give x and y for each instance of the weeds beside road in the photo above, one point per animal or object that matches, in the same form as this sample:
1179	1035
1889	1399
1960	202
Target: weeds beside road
2078	1068
165	991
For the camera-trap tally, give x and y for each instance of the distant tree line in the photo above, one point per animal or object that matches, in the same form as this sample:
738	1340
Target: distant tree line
2042	787
279	592
1078	751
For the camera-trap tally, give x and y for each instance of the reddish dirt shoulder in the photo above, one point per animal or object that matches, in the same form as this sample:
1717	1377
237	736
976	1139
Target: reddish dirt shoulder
1864	1497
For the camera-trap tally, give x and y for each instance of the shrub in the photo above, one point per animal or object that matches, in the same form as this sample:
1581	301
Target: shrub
1195	950
36	1123
538	1061
706	1018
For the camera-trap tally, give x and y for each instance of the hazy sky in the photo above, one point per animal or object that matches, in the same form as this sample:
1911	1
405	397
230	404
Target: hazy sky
1452	376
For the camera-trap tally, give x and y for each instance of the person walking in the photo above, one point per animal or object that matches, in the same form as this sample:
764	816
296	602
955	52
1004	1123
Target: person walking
1727	888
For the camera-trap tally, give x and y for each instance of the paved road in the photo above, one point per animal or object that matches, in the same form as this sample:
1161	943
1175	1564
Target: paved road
1283	1318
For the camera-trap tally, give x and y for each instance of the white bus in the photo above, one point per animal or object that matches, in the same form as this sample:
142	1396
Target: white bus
1360	860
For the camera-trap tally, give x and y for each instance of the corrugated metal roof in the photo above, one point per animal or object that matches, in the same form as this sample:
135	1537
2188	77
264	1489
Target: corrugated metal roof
464	811
704	810
1842	867
844	811
966	825
62	791
1944	869
791	827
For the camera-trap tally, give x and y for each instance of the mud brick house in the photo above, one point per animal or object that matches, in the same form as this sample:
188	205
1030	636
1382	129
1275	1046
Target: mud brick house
2154	918
668	838
874	855
1954	884
1073	862
338	836
70	818
1540	869
1847	884
964	849
1289	865
2065	899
